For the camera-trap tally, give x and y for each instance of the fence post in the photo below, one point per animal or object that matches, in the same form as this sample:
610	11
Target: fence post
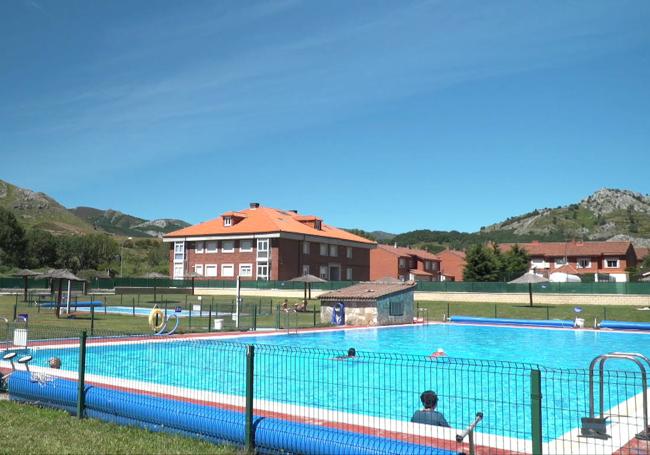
210	318
314	315
92	320
277	317
250	363
15	308
254	318
536	410
81	394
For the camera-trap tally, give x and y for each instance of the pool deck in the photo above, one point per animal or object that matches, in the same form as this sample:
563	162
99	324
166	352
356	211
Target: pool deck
623	428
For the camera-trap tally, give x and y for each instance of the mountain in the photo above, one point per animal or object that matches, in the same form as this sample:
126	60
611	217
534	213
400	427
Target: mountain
604	215
38	210
119	223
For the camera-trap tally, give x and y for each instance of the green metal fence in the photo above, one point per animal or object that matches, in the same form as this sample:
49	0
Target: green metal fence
635	288
228	391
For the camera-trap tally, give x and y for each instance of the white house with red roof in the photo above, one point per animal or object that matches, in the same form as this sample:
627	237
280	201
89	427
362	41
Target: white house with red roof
263	243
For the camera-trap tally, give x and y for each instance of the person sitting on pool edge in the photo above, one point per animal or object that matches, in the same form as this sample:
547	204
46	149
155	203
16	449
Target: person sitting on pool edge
429	415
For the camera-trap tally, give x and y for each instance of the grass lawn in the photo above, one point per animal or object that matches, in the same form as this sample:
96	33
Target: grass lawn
30	429
266	313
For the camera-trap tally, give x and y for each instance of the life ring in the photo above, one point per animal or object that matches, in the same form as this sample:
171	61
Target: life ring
152	319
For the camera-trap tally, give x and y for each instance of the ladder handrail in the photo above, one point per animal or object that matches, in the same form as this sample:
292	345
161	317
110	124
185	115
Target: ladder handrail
623	356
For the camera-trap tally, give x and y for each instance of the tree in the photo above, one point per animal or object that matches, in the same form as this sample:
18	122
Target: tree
480	265
516	262
12	239
41	248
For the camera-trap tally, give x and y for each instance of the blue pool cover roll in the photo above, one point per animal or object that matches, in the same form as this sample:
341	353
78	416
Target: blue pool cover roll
503	321
207	422
622	325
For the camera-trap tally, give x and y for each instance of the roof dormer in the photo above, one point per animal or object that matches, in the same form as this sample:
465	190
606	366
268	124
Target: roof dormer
310	220
232	218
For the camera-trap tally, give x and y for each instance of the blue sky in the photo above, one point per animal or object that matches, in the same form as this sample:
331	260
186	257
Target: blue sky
379	115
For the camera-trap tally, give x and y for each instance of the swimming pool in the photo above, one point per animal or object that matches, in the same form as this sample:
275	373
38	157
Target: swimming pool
488	370
142	311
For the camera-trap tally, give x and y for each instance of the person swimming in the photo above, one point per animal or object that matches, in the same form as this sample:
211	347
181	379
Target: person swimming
351	354
439	353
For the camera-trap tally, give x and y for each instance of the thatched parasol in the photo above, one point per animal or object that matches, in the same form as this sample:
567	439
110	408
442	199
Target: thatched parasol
529	278
26	274
60	275
308	280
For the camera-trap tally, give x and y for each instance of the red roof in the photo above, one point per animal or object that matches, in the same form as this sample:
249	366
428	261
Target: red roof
264	220
419	272
568	269
561	249
401	251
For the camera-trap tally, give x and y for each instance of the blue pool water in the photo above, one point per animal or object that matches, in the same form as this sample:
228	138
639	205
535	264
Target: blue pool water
141	311
381	383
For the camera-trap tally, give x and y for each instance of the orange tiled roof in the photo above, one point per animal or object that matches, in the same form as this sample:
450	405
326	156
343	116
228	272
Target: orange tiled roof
561	249
567	268
417	272
264	220
401	251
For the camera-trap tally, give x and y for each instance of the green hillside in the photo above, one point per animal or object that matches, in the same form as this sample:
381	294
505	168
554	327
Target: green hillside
38	210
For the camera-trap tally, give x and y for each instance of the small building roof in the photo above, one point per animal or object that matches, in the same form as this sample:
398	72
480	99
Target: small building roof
371	290
419	272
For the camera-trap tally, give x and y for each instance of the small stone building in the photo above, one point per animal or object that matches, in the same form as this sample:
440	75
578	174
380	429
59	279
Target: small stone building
372	303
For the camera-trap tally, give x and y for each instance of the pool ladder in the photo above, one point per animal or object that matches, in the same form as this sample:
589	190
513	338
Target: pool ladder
596	427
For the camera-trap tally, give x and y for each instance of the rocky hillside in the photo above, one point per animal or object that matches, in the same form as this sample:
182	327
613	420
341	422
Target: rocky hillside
606	214
38	210
41	211
119	223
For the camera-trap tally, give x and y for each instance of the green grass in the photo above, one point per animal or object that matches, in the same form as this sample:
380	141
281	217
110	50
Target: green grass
266	317
28	429
436	310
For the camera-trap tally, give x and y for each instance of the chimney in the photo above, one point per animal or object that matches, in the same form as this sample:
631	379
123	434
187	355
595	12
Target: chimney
254	205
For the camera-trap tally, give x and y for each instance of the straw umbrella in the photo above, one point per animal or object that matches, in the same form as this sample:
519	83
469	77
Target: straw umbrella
192	276
529	278
308	280
60	275
26	274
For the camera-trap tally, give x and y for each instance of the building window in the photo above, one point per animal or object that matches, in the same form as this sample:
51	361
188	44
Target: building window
227	221
245	246
584	263
435	266
198	269
178	271
262	250
245	269
348	274
537	263
211	247
228	246
305	247
210	270
179	252
611	263
402	263
262	271
559	262
427	265
198	248
348	253
334	250
318	224
227	270
323	249
396	308
305	269
323	272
